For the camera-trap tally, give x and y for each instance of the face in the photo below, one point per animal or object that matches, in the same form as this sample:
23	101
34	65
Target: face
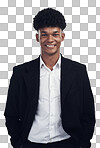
50	39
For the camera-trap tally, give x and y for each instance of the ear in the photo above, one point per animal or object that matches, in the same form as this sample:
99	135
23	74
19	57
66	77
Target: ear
37	37
63	36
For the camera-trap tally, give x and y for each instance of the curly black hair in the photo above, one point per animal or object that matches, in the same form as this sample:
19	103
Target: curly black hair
49	18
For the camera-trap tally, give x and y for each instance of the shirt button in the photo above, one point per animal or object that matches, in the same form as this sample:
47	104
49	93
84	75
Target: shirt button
51	127
51	100
51	114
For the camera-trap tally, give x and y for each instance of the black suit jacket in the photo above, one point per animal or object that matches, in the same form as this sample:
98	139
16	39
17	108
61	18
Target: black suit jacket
77	103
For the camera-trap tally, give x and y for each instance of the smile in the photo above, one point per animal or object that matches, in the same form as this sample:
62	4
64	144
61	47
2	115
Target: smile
49	45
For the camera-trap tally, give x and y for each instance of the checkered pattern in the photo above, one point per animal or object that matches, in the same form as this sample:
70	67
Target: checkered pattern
18	45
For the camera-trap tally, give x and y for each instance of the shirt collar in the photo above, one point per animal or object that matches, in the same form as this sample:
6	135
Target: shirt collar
58	64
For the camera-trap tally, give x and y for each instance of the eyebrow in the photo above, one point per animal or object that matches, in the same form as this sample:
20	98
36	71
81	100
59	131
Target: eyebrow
46	32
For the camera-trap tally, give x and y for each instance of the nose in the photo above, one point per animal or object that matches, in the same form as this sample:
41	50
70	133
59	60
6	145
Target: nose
50	38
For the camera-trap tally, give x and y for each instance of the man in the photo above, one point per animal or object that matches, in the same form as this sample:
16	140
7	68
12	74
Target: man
50	103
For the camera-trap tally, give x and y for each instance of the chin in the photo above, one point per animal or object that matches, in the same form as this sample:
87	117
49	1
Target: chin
52	53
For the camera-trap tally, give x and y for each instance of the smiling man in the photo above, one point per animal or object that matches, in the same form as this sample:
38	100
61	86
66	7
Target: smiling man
50	103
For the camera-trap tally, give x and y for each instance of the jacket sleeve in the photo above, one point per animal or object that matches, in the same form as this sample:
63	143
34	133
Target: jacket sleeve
13	122
88	117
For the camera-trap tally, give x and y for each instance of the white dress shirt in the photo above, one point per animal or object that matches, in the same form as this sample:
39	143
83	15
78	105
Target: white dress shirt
47	126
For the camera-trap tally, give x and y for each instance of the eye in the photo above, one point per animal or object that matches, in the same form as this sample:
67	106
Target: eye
43	35
55	34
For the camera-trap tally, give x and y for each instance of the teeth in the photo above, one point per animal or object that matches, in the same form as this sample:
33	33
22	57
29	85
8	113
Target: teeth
50	45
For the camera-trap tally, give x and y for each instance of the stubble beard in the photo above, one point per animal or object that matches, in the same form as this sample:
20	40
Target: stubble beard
50	54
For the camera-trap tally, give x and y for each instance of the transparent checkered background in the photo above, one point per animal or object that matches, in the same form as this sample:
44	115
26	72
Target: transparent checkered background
18	45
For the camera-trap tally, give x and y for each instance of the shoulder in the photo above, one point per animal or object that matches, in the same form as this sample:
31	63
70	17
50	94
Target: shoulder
73	64
27	66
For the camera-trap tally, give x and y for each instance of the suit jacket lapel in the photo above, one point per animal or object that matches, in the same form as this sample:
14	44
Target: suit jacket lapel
66	78
31	79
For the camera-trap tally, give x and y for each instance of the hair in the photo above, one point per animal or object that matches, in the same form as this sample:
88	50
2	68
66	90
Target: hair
49	18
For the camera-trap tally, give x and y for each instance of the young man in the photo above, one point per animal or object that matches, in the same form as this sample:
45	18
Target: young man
50	103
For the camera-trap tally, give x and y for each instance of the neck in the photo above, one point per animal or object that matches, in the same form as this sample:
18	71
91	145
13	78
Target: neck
50	61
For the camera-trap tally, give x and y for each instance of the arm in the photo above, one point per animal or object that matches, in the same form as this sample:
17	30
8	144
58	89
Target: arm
88	117
13	122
